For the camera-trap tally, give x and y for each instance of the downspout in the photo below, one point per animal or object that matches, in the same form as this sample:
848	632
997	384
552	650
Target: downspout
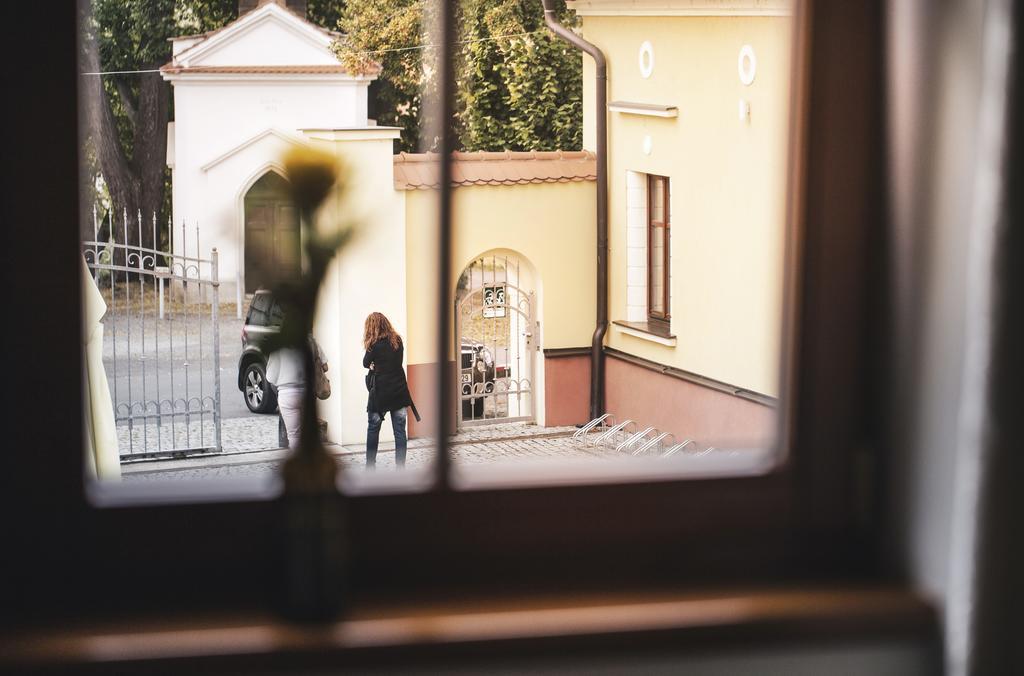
601	110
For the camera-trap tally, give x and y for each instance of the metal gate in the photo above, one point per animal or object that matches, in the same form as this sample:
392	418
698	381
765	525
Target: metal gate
495	340
161	342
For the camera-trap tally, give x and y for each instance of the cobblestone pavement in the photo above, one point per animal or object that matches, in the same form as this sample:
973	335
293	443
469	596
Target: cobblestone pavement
238	435
259	433
508	431
486	444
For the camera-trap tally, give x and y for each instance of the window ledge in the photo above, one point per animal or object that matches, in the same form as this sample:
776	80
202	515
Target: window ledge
646	109
646	331
679	620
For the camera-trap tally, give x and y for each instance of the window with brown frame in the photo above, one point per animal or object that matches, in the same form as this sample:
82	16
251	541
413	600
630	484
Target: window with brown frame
798	516
658	249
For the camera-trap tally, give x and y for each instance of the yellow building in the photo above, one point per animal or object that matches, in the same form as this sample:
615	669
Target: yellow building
697	160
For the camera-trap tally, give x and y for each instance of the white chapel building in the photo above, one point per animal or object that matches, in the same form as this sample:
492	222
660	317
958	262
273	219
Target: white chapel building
242	95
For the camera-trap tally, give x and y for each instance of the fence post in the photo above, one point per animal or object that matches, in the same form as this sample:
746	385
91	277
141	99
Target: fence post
215	320
160	281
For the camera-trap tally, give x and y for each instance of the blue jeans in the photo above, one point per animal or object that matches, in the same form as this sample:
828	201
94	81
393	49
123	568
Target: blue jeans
374	421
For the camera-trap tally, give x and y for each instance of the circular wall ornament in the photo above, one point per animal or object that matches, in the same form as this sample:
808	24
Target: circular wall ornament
648	145
747	64
646	58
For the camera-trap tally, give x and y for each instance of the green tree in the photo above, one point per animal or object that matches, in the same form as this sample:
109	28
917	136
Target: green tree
378	34
126	114
518	86
517	93
325	13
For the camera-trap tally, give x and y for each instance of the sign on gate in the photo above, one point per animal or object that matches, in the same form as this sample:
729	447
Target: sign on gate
494	300
161	339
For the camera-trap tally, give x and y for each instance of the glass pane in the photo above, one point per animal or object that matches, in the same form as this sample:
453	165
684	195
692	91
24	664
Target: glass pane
194	279
657	188
188	277
656	278
697	151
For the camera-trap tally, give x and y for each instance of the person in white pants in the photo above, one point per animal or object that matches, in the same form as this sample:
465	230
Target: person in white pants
286	371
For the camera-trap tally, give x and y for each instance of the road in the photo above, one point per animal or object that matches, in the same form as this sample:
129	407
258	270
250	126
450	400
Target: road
172	359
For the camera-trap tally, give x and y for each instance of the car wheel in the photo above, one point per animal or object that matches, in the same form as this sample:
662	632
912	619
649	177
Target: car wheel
259	397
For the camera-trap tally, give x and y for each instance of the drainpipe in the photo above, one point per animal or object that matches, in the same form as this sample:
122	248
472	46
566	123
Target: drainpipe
601	109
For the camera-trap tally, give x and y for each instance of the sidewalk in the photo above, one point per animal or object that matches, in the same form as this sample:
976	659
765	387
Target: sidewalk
473	445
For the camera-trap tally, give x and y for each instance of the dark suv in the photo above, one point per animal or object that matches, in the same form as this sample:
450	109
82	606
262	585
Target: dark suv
262	321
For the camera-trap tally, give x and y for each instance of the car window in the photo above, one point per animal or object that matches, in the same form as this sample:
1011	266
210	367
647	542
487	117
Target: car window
276	314
258	312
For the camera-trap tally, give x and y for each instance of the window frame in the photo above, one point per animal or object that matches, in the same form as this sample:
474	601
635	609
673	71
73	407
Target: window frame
807	517
662	318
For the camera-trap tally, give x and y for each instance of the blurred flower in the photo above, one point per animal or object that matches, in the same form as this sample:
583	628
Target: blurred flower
312	174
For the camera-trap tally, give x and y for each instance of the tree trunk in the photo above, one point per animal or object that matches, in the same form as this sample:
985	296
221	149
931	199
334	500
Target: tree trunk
150	160
136	184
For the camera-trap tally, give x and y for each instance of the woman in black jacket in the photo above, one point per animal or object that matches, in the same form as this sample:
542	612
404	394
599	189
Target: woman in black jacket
389	392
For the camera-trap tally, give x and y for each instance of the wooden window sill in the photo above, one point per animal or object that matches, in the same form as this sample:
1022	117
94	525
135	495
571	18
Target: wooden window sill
414	632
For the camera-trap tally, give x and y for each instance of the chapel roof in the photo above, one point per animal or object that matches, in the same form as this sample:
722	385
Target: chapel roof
178	63
421	171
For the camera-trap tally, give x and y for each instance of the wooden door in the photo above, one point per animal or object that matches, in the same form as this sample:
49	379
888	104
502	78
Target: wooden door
272	237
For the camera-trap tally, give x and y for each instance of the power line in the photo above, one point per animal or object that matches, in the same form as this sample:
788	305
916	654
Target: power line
124	72
457	42
364	53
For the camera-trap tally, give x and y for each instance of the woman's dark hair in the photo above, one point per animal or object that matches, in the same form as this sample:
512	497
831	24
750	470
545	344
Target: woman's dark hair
379	328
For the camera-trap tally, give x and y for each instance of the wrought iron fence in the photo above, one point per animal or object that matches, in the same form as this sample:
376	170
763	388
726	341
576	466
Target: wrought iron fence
161	347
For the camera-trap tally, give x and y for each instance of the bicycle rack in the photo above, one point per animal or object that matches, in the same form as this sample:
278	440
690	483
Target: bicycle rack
605	430
581	433
653	442
612	431
678	447
635	439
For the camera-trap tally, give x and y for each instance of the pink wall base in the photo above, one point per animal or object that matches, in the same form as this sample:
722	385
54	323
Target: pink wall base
423	388
686	409
566	390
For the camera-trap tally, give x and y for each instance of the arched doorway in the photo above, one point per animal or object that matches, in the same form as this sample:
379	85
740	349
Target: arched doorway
496	340
272	253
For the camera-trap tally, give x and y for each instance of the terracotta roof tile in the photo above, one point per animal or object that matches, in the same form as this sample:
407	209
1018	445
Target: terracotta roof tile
421	171
462	174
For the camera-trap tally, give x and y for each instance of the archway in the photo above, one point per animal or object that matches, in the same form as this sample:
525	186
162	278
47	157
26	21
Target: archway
496	340
272	253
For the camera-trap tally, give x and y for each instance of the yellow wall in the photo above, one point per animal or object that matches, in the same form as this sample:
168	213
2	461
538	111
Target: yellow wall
550	224
367	275
727	182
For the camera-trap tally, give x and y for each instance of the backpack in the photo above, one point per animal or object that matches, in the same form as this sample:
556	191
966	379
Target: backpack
321	383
